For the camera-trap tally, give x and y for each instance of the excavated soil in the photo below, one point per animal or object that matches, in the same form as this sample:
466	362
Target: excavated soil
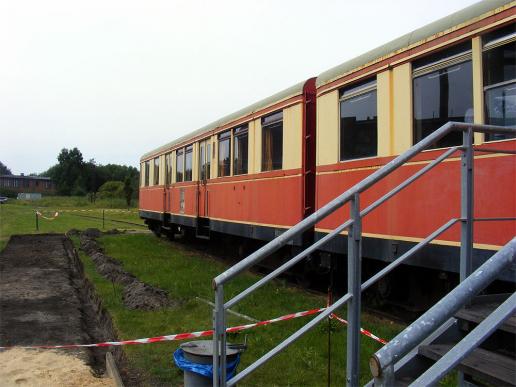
46	300
136	294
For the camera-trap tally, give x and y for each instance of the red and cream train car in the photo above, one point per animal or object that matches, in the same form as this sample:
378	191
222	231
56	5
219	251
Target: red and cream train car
250	174
262	169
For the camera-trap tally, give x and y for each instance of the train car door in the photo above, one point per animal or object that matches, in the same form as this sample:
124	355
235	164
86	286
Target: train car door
203	221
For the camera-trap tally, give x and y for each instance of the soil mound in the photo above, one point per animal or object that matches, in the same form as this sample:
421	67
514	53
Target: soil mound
91	233
136	294
139	295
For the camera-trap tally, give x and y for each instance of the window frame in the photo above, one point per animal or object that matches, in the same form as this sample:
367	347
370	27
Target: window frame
155	175
168	168
188	152
270	125
180	155
237	133
488	45
458	54
222	137
356	89
147	174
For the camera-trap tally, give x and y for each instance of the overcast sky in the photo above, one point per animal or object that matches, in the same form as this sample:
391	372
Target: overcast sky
119	78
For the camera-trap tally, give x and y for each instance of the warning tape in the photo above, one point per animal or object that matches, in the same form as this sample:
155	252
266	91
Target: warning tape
47	218
101	209
191	335
362	330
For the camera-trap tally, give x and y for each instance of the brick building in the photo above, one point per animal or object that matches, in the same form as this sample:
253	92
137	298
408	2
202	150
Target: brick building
27	184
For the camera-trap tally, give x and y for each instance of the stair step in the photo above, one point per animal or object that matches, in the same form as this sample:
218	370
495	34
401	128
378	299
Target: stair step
477	312
488	366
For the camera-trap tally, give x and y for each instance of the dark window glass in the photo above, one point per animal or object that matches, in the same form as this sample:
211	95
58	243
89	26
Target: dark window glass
168	168
147	173
155	180
272	142
202	161
224	158
358	121
188	162
240	150
442	95
180	157
441	56
208	160
499	65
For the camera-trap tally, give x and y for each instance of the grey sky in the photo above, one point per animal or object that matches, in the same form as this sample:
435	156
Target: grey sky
118	78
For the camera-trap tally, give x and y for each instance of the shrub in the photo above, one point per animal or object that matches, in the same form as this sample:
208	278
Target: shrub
111	189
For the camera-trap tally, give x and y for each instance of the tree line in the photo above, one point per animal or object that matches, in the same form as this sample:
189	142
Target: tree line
75	176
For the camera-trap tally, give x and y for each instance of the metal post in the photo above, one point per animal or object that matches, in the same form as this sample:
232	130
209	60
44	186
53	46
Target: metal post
37	222
219	339
466	246
354	285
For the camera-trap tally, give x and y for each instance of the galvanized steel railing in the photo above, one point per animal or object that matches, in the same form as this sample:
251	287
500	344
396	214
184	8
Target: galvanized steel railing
354	227
382	362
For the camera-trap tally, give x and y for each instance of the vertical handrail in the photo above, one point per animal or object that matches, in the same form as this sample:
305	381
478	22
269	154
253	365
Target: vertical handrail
466	238
354	289
219	339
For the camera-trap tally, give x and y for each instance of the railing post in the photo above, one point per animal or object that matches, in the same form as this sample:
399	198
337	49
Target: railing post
354	284
466	239
219	339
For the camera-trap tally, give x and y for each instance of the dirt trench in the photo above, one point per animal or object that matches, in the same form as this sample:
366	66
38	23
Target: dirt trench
45	299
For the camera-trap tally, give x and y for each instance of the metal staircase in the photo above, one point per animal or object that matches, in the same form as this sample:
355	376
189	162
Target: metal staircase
386	370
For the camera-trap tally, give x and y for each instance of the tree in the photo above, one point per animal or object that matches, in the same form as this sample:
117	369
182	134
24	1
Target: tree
128	190
4	170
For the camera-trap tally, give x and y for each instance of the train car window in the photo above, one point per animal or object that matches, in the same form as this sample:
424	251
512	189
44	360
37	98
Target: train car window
224	157
442	92
204	160
272	141
208	160
358	121
155	180
180	158
499	67
168	168
188	163
147	173
240	150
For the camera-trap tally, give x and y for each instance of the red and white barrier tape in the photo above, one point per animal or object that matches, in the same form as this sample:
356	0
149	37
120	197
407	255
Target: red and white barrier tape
47	218
191	335
362	330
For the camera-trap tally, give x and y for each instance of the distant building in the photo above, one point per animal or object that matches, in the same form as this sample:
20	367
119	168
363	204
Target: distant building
27	184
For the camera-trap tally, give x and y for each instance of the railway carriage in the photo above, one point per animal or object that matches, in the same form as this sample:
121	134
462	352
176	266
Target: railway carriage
264	168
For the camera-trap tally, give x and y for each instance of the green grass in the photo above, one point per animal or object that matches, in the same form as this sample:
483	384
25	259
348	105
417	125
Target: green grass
19	218
186	275
75	202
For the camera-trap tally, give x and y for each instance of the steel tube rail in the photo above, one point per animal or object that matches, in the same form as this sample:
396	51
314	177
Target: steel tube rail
321	242
287	265
476	337
404	342
290	340
340	200
387	269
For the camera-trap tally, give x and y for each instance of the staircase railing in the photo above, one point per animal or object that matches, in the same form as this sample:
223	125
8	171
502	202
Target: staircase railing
382	362
354	227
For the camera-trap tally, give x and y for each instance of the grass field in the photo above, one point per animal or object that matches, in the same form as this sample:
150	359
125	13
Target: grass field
187	275
18	217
